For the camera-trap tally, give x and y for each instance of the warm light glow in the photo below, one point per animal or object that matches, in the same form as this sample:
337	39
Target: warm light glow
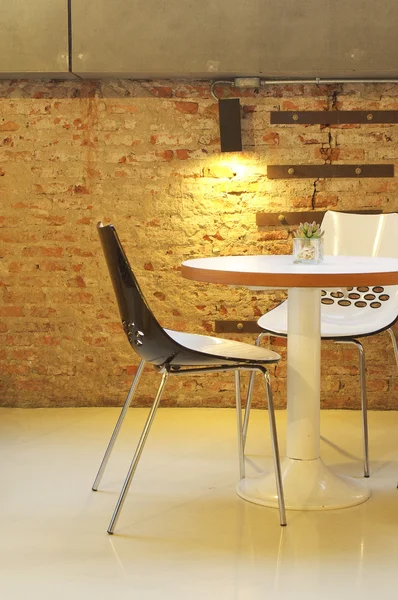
241	171
234	171
235	163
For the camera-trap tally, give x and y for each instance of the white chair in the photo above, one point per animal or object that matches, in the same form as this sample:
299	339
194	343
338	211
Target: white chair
349	313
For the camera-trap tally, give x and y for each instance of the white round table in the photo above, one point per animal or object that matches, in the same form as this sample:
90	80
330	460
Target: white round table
308	483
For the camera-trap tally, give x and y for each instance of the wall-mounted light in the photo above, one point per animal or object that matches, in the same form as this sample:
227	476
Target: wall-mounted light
230	130
229	113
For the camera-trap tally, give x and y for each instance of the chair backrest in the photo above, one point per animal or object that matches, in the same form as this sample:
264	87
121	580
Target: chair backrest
348	234
146	336
360	235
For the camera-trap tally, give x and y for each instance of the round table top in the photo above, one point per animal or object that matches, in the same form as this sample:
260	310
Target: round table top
280	271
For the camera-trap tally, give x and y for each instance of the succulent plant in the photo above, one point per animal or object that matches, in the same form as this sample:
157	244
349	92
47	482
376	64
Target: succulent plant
309	231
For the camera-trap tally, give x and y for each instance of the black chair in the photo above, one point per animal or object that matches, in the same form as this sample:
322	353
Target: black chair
176	353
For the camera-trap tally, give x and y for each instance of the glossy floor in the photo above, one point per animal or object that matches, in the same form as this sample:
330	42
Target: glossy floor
183	532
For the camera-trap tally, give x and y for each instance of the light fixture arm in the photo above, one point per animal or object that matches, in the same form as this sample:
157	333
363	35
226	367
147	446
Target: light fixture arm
238	82
219	82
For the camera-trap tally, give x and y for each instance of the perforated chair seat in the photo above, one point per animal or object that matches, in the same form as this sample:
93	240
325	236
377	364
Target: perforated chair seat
339	321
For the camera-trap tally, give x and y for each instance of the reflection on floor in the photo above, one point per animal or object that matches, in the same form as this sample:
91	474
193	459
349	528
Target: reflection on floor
183	532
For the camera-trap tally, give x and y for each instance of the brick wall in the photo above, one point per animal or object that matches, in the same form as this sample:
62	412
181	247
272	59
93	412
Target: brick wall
145	156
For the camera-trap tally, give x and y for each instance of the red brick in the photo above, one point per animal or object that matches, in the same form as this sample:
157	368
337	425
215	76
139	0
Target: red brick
43	251
53	266
280	234
11	311
80	298
9	126
48	340
42	312
271	138
77	281
187	107
182	154
165	154
15	369
80	189
54	219
162	91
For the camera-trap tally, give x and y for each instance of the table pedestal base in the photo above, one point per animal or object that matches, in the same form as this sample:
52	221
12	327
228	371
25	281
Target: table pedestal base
307	484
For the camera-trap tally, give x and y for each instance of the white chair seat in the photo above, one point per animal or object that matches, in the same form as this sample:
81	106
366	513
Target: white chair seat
340	322
224	349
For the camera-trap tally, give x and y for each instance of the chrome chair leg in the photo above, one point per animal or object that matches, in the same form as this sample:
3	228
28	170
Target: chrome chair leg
395	347
118	425
364	406
274	440
394	343
137	454
239	423
249	395
364	401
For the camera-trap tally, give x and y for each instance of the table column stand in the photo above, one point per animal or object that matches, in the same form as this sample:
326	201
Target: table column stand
308	483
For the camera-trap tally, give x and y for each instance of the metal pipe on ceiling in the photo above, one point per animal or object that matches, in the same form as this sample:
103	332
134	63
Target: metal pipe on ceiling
316	81
319	81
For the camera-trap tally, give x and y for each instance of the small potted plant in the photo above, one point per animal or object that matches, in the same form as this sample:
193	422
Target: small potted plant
308	244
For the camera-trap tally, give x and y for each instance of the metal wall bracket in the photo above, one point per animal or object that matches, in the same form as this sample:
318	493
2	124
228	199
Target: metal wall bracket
268	219
328	171
333	117
237	327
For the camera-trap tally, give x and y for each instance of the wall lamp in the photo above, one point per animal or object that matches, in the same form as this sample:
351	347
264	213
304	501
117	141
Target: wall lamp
230	130
229	113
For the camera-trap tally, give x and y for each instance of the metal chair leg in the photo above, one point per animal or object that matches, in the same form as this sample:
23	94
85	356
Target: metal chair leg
364	401
274	439
239	423
364	406
395	347
118	425
137	454
249	396
394	343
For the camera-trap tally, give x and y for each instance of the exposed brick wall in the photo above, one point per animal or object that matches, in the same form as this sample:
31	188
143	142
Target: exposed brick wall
145	156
